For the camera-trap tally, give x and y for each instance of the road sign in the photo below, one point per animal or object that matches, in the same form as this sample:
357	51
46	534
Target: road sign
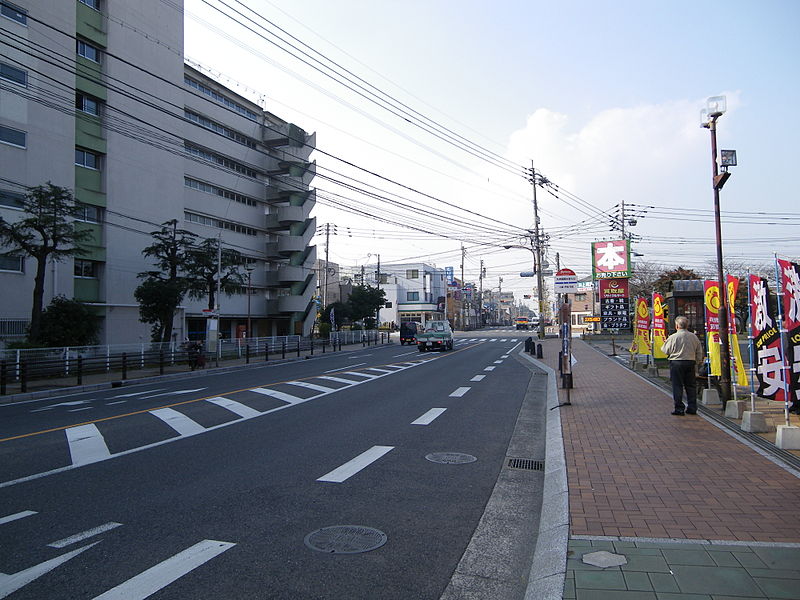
566	282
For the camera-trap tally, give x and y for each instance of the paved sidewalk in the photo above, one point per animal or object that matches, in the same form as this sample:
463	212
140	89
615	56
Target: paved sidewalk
695	511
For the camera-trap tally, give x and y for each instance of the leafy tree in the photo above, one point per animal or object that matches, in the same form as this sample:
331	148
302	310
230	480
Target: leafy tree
341	313
46	232
364	301
162	291
68	322
644	277
201	271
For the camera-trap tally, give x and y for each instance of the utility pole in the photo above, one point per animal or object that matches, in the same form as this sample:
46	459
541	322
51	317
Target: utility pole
622	219
378	312
537	255
327	246
480	294
463	287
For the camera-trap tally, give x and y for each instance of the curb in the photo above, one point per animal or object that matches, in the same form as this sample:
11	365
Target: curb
549	566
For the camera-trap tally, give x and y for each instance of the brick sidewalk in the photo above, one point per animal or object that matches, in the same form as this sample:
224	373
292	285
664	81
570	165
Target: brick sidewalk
635	470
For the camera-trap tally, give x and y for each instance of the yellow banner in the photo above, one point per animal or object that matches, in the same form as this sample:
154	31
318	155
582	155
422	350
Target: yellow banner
713	344
739	367
659	326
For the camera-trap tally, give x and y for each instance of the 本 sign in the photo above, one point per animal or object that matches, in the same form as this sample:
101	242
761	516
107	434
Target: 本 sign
611	259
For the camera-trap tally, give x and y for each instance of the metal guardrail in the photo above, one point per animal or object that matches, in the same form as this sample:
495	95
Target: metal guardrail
20	367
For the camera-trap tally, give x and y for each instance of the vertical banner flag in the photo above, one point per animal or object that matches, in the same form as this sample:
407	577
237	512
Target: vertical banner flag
712	304
790	286
766	337
641	339
611	260
614	313
739	368
659	326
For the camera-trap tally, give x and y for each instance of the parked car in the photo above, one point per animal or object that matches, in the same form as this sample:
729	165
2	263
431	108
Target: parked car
408	332
437	336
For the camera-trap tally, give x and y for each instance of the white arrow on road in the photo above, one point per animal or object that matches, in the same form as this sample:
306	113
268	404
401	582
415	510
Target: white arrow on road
73	403
11	583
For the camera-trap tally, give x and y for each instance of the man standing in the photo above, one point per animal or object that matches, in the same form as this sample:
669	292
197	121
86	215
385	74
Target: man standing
685	353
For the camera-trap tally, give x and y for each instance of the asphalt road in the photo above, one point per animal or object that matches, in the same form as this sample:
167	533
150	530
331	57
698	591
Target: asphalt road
209	486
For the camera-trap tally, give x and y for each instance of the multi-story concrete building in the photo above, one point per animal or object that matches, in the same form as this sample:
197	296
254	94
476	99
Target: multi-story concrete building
415	291
96	97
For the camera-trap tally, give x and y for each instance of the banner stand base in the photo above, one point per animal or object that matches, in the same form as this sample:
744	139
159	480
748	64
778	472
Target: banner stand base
754	422
734	409
787	437
710	397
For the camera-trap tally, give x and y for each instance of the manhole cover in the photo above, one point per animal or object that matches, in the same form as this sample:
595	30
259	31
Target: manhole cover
451	458
345	539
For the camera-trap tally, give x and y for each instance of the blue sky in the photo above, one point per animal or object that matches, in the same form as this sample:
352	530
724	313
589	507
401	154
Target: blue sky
604	97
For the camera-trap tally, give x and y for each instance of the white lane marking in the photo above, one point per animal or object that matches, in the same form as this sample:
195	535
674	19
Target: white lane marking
339	379
11	583
310	386
489	368
344	368
504	356
80	409
15	516
86	444
459	392
405	354
360	374
155	578
279	395
173	393
235	407
498	362
352	467
73	403
117	402
429	416
379	370
478	378
83	535
178	421
136	393
493	340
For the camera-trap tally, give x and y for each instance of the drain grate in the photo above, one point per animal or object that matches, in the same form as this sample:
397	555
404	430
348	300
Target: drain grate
345	539
527	464
451	458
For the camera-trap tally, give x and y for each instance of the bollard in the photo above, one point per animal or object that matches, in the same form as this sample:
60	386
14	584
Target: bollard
160	362
247	354
340	344
124	366
312	346
3	378
529	344
80	370
539	351
23	373
266	352
283	349
363	342
298	347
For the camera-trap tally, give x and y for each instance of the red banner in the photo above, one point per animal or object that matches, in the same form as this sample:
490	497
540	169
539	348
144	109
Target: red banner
790	286
767	341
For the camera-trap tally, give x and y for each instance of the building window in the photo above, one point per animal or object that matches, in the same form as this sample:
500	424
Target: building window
15	137
218	191
219	128
220	160
15	13
95	4
245	112
88	51
85	268
412	274
89	213
11	199
13	74
12	263
580	297
88	159
412	296
219	223
87	104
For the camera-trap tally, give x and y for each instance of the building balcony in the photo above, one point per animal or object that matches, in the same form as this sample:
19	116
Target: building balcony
289	244
284	216
292	176
286	274
294	303
288	135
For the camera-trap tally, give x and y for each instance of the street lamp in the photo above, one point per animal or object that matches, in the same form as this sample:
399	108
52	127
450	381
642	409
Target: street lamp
715	108
249	268
539	273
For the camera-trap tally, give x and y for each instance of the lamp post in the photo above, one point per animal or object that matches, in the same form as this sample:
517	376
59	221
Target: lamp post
539	272
715	108
249	268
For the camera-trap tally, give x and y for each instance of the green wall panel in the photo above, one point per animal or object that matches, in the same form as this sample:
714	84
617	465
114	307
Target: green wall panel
86	290
89	24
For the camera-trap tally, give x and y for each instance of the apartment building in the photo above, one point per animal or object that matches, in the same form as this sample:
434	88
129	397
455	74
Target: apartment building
414	291
96	97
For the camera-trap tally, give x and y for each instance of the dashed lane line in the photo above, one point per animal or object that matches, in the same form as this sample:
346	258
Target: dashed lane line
457	393
489	368
351	467
17	516
429	416
478	378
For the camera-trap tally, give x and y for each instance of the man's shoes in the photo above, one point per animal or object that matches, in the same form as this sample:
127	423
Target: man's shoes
677	413
689	411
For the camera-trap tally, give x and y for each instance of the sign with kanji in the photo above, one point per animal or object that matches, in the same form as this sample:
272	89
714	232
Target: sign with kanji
790	286
713	342
565	281
641	338
659	325
614	304
449	275
766	340
611	260
739	368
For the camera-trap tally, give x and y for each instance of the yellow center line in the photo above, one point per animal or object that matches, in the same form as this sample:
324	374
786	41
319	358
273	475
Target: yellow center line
147	410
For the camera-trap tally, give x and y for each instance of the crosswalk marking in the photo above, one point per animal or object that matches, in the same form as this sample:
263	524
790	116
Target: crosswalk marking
235	407
360	374
338	379
86	444
79	537
16	516
355	465
493	340
11	583
504	340
155	578
279	395
380	370
178	421
429	416
311	386
459	392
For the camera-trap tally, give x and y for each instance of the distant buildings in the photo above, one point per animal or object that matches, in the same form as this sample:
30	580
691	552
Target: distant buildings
96	97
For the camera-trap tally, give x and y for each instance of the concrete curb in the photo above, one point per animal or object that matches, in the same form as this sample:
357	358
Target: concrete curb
549	565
